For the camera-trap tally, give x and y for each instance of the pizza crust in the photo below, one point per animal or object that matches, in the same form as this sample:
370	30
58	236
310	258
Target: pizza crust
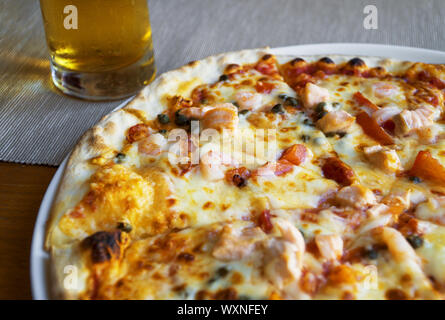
391	65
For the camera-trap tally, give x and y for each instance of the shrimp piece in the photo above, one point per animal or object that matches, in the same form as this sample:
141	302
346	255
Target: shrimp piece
336	121
408	121
271	169
195	112
222	116
211	166
313	95
248	100
214	164
383	158
384	114
329	245
355	196
138	132
153	145
384	89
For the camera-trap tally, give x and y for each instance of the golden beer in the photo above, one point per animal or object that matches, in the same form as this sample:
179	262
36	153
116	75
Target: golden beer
99	49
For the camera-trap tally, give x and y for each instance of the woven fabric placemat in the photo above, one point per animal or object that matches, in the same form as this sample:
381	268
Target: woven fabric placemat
39	125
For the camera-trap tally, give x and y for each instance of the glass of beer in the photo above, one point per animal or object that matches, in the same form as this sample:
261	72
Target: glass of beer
100	49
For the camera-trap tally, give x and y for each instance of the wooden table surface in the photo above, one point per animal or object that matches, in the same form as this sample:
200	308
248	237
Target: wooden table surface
21	190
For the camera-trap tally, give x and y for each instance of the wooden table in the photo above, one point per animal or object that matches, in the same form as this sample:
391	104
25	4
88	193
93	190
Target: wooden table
21	190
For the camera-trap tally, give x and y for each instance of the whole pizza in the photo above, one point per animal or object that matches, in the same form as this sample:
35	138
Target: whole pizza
254	176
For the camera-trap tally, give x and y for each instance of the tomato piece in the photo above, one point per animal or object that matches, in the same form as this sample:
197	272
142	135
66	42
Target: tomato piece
428	168
295	154
373	129
337	170
362	100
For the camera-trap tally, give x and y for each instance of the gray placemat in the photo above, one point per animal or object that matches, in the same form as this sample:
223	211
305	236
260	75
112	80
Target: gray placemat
39	125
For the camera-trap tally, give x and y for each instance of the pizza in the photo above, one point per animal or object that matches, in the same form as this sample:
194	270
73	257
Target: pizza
250	175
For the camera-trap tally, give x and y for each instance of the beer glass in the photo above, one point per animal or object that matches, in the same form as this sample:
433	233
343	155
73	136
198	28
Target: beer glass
99	49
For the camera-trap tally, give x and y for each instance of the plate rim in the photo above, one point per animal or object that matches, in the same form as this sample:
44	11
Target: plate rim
39	257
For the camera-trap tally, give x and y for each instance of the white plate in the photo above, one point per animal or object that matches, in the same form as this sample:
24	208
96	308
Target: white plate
40	258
